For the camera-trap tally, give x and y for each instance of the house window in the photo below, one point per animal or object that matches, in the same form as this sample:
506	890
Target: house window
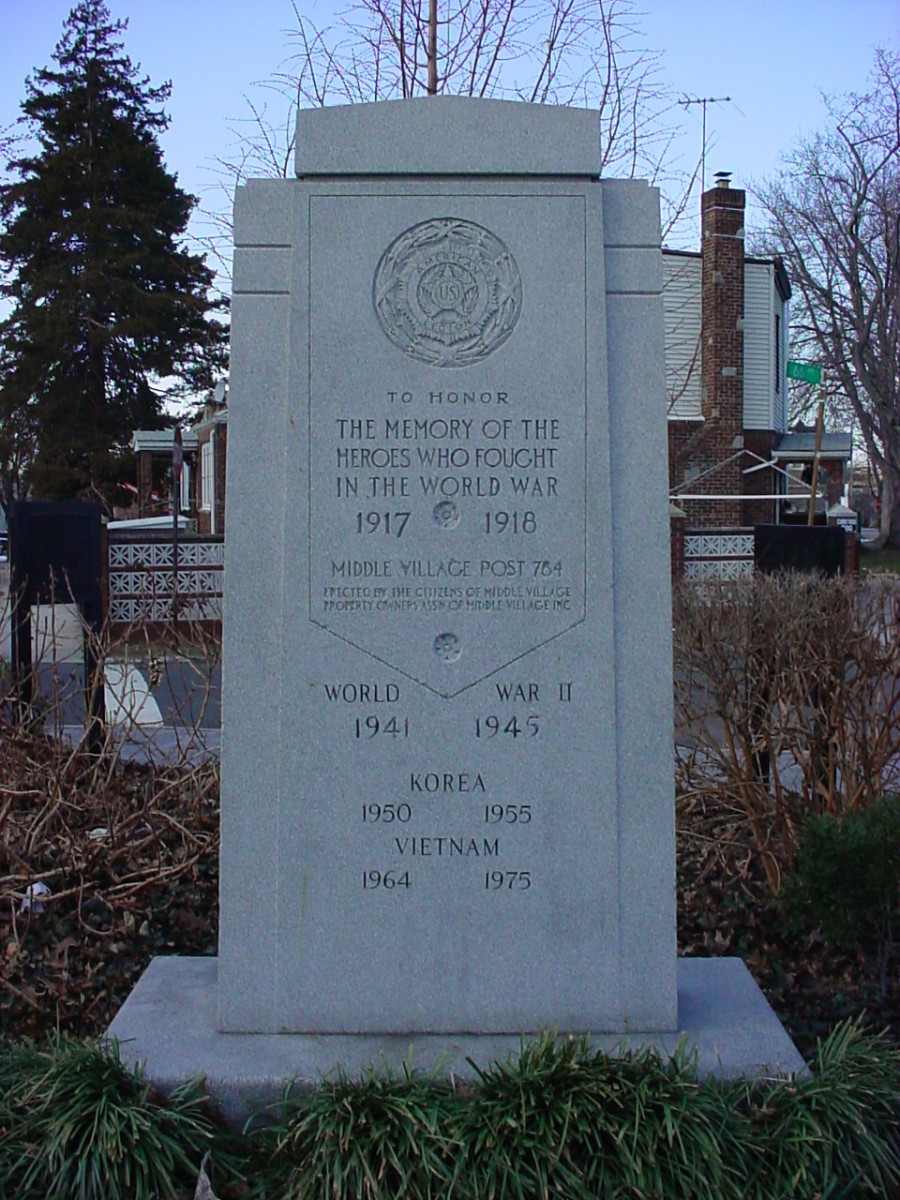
778	352
206	476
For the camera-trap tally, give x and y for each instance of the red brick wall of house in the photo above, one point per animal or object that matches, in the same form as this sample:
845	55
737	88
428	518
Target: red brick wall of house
144	481
219	435
687	453
204	516
722	367
759	512
831	475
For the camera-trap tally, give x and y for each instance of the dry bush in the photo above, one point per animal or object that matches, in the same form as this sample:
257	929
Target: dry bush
787	700
119	833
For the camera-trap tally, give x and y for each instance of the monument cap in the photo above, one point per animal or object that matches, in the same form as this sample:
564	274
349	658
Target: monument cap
447	135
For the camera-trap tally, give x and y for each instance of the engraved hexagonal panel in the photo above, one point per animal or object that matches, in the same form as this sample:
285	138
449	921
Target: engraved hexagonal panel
447	413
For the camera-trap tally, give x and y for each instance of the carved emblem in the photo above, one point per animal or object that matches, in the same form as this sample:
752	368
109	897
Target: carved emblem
447	292
447	647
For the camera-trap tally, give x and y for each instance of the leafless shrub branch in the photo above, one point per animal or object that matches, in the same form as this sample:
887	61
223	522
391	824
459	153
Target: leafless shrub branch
114	839
787	695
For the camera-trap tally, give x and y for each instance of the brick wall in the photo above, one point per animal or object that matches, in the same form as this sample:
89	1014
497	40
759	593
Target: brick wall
722	367
144	481
204	516
218	433
687	457
759	512
831	476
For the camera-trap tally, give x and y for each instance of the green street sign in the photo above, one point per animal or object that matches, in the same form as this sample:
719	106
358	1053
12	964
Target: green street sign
808	372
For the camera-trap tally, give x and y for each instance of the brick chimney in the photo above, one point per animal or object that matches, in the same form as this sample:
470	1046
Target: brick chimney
722	373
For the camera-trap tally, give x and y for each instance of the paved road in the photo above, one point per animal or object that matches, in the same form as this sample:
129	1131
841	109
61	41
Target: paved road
161	709
167	692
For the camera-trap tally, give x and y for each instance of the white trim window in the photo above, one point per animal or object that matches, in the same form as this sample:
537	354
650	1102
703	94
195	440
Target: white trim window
206	476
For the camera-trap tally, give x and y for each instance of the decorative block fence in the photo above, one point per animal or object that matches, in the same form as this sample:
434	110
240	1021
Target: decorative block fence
718	553
727	553
141	578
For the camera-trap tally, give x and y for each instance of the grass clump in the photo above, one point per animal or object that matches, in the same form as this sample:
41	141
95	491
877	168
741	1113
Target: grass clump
558	1122
564	1123
831	1134
79	1125
381	1138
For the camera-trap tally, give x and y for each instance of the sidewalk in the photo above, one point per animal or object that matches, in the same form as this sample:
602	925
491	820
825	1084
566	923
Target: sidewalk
161	746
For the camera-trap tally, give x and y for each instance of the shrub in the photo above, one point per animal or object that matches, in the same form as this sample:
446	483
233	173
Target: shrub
112	839
558	1122
566	1123
787	700
833	1133
847	880
380	1138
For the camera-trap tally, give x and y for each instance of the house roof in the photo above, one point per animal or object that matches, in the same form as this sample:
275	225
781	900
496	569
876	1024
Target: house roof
782	282
160	440
800	444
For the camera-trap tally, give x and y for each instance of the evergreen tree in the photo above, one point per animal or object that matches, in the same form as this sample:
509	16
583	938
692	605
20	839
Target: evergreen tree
106	300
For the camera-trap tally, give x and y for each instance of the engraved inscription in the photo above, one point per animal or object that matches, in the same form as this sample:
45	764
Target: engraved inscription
447	292
447	517
401	831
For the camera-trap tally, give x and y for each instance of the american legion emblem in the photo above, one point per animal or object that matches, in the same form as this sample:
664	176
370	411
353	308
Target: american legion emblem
447	292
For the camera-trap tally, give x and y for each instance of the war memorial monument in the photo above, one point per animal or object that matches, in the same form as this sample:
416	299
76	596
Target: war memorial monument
447	776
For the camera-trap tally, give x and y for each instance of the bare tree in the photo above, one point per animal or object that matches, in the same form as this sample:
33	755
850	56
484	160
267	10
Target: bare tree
834	214
582	52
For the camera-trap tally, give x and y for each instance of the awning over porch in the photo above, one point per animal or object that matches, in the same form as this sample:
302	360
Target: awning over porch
799	445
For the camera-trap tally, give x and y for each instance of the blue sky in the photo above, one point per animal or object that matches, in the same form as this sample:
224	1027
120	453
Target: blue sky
773	57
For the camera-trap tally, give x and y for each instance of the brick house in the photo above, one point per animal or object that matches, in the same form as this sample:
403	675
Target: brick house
212	444
726	319
203	475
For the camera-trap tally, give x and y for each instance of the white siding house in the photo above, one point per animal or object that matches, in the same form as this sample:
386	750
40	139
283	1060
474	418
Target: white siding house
681	311
765	321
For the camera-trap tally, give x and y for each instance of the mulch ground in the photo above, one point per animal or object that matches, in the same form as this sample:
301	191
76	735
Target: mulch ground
131	857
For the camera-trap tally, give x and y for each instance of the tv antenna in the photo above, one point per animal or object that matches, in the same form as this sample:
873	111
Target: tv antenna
703	100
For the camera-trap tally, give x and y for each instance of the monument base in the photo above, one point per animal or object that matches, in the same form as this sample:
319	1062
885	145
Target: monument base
168	1024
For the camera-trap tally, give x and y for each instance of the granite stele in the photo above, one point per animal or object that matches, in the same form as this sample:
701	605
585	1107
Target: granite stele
447	785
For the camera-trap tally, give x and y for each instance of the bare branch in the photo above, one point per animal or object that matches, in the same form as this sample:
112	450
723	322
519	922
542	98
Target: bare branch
583	52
